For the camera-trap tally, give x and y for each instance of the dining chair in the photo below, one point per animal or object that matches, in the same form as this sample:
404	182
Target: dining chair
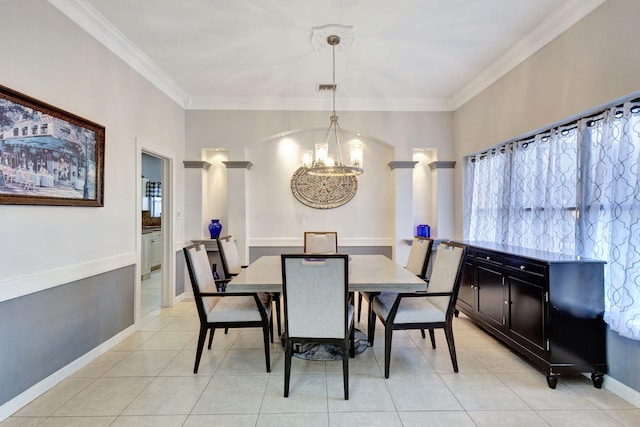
231	266
320	242
317	308
224	309
417	263
423	310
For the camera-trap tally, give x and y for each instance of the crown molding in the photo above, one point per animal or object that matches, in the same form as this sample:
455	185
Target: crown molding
317	104
568	14
90	20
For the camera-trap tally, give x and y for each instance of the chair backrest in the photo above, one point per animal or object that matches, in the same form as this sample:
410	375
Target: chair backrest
419	256
315	291
446	274
320	242
231	264
201	276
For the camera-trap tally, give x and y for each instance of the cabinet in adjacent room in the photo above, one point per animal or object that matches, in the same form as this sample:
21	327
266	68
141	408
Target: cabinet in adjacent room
548	307
156	250
145	250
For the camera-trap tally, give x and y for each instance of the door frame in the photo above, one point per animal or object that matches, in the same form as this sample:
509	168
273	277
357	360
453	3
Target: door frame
168	270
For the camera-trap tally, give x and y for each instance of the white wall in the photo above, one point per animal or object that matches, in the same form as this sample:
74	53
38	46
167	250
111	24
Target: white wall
274	216
51	59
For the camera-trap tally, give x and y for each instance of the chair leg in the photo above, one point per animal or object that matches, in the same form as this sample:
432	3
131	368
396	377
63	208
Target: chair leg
345	371
371	327
352	338
211	337
277	298
266	330
288	353
359	305
271	334
448	330
201	338
433	338
422	333
388	334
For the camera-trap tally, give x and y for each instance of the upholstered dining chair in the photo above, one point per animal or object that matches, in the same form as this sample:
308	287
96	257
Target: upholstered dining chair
315	290
417	263
320	242
423	310
224	309
231	266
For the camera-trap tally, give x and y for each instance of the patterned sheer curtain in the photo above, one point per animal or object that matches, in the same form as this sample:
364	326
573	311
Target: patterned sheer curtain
574	189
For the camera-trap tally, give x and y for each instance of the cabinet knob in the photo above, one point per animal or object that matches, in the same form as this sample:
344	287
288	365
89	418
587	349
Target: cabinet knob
522	267
488	258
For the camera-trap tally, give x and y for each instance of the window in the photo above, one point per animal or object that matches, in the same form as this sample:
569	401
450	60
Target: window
573	189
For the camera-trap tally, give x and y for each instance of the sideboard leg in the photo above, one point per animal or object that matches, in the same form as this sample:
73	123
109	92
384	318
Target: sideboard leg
597	378
552	380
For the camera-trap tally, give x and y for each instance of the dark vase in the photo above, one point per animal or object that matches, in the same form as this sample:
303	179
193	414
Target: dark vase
214	228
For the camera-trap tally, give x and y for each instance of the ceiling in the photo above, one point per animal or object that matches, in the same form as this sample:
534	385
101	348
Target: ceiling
406	55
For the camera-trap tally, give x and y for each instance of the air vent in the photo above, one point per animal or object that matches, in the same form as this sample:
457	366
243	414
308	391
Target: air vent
326	87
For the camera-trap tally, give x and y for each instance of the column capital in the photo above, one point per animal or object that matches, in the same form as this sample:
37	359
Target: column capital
442	165
402	164
238	164
196	164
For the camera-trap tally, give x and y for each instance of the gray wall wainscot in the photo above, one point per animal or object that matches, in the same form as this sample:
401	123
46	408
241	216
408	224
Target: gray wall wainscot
44	331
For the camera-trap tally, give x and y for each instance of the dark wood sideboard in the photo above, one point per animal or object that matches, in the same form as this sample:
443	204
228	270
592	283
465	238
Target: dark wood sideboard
547	307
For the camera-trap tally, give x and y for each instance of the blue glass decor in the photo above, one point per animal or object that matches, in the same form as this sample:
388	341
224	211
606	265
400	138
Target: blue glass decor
423	230
214	228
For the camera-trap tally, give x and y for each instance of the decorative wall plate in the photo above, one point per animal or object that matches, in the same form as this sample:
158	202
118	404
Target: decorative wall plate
323	192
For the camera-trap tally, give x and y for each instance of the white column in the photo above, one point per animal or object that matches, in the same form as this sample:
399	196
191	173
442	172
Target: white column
238	226
403	208
195	223
443	195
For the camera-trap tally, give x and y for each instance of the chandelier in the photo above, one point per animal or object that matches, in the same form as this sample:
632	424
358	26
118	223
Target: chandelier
323	162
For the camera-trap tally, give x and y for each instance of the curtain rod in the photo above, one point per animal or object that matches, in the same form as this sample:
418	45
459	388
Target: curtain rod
567	126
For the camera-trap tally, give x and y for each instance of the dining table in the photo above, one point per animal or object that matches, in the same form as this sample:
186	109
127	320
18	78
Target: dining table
368	273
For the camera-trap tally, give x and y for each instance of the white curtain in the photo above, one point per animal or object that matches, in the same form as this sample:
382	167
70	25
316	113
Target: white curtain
574	189
610	210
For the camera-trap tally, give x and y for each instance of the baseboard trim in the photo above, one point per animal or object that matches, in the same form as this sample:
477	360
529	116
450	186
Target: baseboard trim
624	391
14	405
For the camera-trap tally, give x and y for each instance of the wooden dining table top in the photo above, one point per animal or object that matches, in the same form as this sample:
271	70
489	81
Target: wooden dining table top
371	273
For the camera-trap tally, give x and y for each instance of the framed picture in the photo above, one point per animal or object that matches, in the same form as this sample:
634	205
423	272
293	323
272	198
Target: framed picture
48	156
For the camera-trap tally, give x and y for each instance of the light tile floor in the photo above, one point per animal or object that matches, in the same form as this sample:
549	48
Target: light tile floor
147	380
151	293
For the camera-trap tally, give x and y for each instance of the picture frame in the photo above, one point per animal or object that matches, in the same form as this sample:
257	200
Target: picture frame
48	156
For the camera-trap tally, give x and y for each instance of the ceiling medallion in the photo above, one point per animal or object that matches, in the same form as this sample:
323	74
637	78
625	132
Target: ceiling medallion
322	192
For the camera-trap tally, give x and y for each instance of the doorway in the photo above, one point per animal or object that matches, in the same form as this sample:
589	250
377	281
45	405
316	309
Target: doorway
167	270
151	230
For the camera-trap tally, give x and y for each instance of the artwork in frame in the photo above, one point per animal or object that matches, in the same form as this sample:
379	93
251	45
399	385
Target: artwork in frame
48	156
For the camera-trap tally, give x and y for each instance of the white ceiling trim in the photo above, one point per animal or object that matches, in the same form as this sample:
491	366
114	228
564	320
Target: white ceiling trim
89	19
314	104
570	13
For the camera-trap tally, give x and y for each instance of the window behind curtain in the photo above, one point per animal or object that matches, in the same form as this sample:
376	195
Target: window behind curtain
573	189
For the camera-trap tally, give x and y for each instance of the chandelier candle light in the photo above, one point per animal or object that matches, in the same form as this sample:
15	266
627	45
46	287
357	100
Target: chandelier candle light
324	163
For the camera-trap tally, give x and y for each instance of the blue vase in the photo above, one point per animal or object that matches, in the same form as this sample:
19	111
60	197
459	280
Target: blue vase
214	228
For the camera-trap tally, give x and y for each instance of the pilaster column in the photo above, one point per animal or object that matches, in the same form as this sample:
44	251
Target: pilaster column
403	207
238	206
443	195
195	178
